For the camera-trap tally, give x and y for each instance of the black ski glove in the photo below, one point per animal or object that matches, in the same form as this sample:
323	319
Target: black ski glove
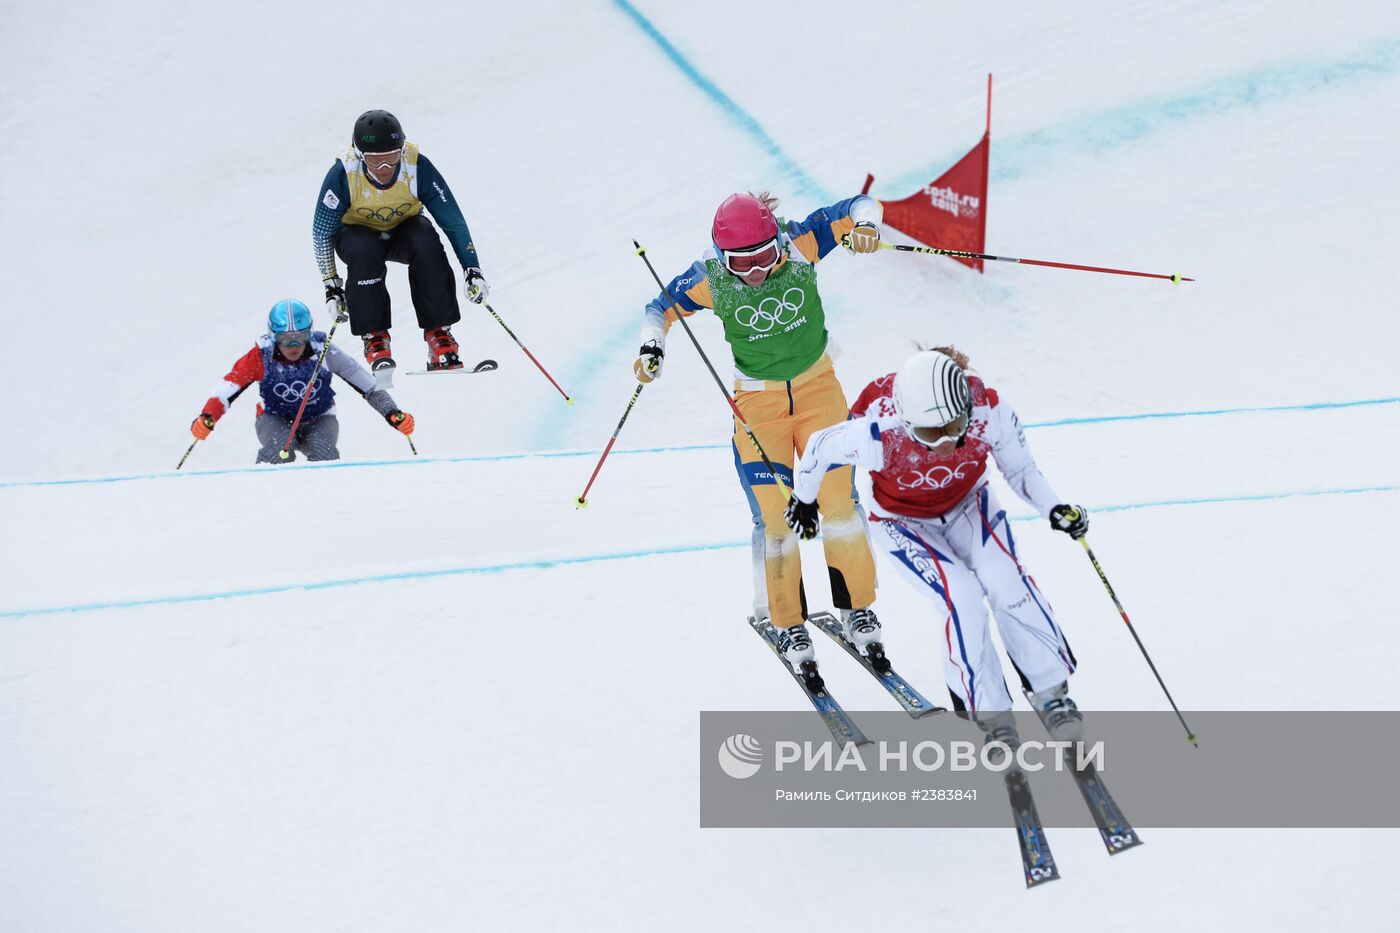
1073	520
802	518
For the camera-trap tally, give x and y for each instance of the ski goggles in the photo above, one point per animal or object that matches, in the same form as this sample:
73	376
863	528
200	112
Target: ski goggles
950	433
762	257
377	160
294	338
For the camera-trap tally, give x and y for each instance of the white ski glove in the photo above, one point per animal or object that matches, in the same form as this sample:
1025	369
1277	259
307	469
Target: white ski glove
477	289
335	298
647	365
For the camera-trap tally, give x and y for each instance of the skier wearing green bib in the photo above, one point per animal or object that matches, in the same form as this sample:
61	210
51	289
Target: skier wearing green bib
760	279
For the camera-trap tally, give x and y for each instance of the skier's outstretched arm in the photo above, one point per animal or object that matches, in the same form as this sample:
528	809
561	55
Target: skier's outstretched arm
851	442
438	199
332	202
686	294
822	230
353	372
1013	456
1014	459
247	370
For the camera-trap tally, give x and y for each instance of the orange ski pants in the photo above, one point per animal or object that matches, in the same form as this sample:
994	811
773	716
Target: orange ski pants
784	415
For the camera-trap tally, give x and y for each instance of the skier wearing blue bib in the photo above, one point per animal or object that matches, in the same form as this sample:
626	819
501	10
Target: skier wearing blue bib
282	363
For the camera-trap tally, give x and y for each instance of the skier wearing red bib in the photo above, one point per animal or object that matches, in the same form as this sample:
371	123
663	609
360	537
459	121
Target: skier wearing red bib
926	433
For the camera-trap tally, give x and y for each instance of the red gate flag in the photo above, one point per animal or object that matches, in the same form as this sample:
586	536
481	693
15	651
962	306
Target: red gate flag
951	211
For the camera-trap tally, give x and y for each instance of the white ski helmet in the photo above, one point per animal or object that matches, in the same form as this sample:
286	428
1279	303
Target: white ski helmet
931	395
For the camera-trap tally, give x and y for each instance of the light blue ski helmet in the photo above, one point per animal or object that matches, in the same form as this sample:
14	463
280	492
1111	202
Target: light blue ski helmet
288	316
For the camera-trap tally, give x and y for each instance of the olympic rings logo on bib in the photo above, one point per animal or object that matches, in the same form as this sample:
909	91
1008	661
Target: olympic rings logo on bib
293	391
936	477
771	312
384	214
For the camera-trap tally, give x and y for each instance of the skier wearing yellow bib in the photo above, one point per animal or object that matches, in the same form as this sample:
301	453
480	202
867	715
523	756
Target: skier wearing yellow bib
760	279
371	211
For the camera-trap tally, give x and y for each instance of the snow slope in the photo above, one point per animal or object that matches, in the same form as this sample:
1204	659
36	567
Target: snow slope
324	698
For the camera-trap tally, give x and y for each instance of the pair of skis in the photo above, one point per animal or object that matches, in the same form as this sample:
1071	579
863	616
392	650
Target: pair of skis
842	727
384	375
485	366
1037	860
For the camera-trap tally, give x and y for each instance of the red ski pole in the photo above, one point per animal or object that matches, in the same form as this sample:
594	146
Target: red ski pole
1175	278
528	353
582	501
285	452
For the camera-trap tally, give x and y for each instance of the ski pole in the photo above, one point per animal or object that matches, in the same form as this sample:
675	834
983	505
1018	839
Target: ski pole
522	346
1175	278
285	452
738	415
411	445
582	501
188	450
1190	736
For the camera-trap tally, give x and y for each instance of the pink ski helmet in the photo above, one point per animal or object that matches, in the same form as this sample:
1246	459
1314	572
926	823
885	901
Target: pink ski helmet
743	221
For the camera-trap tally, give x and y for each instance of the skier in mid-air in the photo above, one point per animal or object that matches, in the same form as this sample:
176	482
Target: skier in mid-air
281	363
370	212
759	276
926	433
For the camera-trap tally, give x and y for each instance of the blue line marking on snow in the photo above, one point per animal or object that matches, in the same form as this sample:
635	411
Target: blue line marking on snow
1243	497
355	581
267	469
597	558
1125	124
722	100
1147	416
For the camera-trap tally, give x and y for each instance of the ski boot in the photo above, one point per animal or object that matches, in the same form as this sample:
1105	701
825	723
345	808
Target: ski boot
795	645
999	727
1062	718
862	629
377	355
442	349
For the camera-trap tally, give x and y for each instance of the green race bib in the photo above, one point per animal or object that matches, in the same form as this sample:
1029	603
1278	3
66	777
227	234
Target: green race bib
776	330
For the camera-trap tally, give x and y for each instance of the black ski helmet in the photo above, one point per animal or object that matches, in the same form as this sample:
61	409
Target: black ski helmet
377	131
